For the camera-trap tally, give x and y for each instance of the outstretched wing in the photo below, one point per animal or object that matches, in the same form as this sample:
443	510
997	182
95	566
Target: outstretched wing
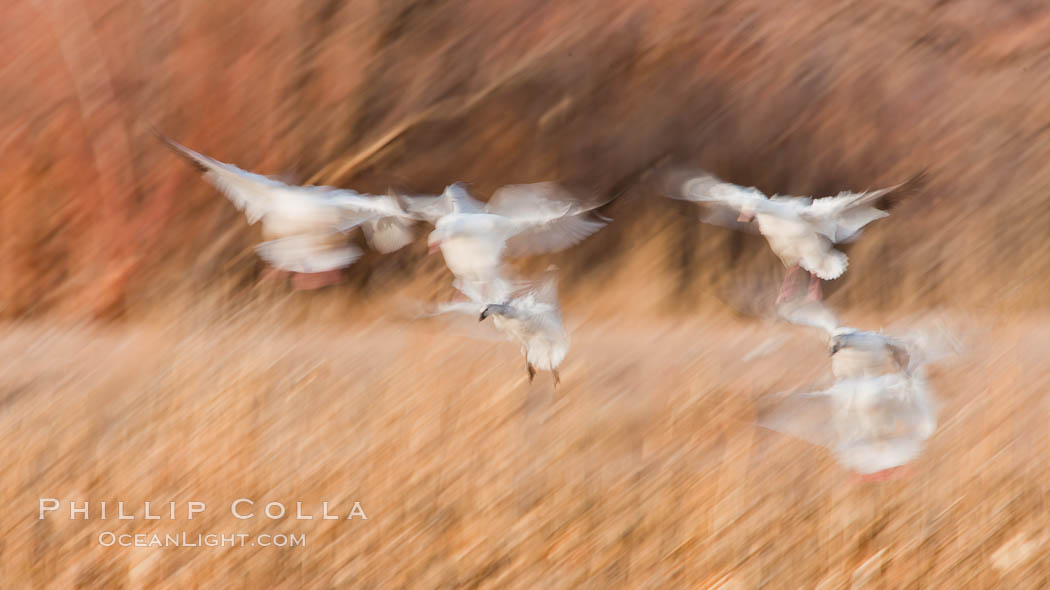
254	194
842	217
291	207
806	416
812	314
721	202
551	218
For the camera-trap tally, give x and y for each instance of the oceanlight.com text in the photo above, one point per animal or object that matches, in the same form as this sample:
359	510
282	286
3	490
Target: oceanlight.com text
184	539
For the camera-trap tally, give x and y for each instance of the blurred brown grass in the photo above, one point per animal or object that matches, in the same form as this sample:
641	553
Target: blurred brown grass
645	471
413	94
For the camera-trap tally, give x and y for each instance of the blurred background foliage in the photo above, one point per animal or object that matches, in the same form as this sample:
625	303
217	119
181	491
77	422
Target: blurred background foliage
604	95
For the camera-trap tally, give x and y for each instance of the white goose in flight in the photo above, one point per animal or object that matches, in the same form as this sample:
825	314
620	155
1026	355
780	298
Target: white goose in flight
518	220
880	410
801	231
305	225
873	425
529	316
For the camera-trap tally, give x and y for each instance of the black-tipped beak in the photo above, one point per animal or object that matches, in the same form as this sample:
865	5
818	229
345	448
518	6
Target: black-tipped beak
484	314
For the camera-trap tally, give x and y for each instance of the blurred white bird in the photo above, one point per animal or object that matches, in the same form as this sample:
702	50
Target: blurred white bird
801	231
873	425
518	220
306	225
533	320
529	316
880	410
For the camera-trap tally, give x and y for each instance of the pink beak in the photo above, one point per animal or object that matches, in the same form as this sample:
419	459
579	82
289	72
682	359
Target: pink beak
433	247
745	217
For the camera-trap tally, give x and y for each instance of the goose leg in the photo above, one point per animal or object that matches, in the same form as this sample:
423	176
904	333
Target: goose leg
815	292
315	280
557	378
531	369
272	274
787	288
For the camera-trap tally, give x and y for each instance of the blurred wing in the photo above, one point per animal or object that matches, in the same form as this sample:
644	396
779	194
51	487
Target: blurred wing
497	289
554	235
551	218
842	217
259	195
309	253
806	416
460	318
455	307
813	314
545	289
532	203
252	193
928	338
707	188
458	199
726	216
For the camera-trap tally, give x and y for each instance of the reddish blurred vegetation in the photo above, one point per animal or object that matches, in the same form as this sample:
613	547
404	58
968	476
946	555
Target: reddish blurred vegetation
99	219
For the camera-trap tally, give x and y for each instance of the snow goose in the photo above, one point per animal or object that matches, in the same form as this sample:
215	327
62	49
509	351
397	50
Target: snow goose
801	231
528	315
533	320
873	425
880	410
305	226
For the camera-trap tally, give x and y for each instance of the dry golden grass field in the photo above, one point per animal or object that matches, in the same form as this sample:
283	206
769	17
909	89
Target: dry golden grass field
643	471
